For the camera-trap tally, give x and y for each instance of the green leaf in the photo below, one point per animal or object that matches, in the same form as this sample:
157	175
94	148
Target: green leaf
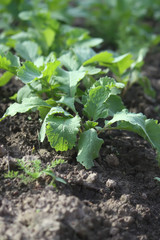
69	81
49	35
53	111
62	132
24	92
118	65
28	50
5	78
50	173
3	48
95	107
147	87
28	72
157	178
103	57
88	148
9	62
26	15
153	133
68	101
26	105
49	69
14	60
114	104
88	43
90	70
83	54
121	64
90	124
149	129
70	61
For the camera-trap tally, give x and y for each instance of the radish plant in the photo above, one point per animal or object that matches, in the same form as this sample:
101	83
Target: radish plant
76	101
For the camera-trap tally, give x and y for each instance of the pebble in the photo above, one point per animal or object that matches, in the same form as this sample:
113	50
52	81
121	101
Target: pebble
92	178
111	183
144	195
125	198
129	219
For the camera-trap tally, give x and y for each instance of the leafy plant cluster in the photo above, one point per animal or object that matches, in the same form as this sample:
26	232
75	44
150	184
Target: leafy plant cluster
125	25
66	81
72	98
44	26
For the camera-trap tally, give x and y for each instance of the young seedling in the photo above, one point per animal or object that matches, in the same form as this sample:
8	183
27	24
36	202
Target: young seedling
32	170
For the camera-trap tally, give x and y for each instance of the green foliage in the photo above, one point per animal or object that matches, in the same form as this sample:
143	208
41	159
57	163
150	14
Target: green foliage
9	62
66	81
5	78
11	174
32	170
28	72
157	178
88	148
122	24
147	128
62	131
28	50
71	104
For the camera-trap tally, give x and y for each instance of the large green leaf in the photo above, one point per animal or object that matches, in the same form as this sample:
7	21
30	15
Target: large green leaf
49	69
26	105
3	48
69	80
110	83
5	78
62	132
121	64
95	107
49	35
52	111
70	61
88	148
103	57
68	101
9	62
118	65
28	72
28	50
83	53
90	70
88	43
149	129
153	133
114	104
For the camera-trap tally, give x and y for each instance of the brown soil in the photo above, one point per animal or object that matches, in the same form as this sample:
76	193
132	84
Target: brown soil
118	199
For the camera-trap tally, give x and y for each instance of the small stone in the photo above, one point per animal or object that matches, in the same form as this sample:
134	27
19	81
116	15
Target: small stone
129	219
125	198
144	195
112	160
111	183
91	178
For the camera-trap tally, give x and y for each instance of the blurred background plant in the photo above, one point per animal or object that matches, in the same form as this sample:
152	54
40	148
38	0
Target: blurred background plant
125	25
34	29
